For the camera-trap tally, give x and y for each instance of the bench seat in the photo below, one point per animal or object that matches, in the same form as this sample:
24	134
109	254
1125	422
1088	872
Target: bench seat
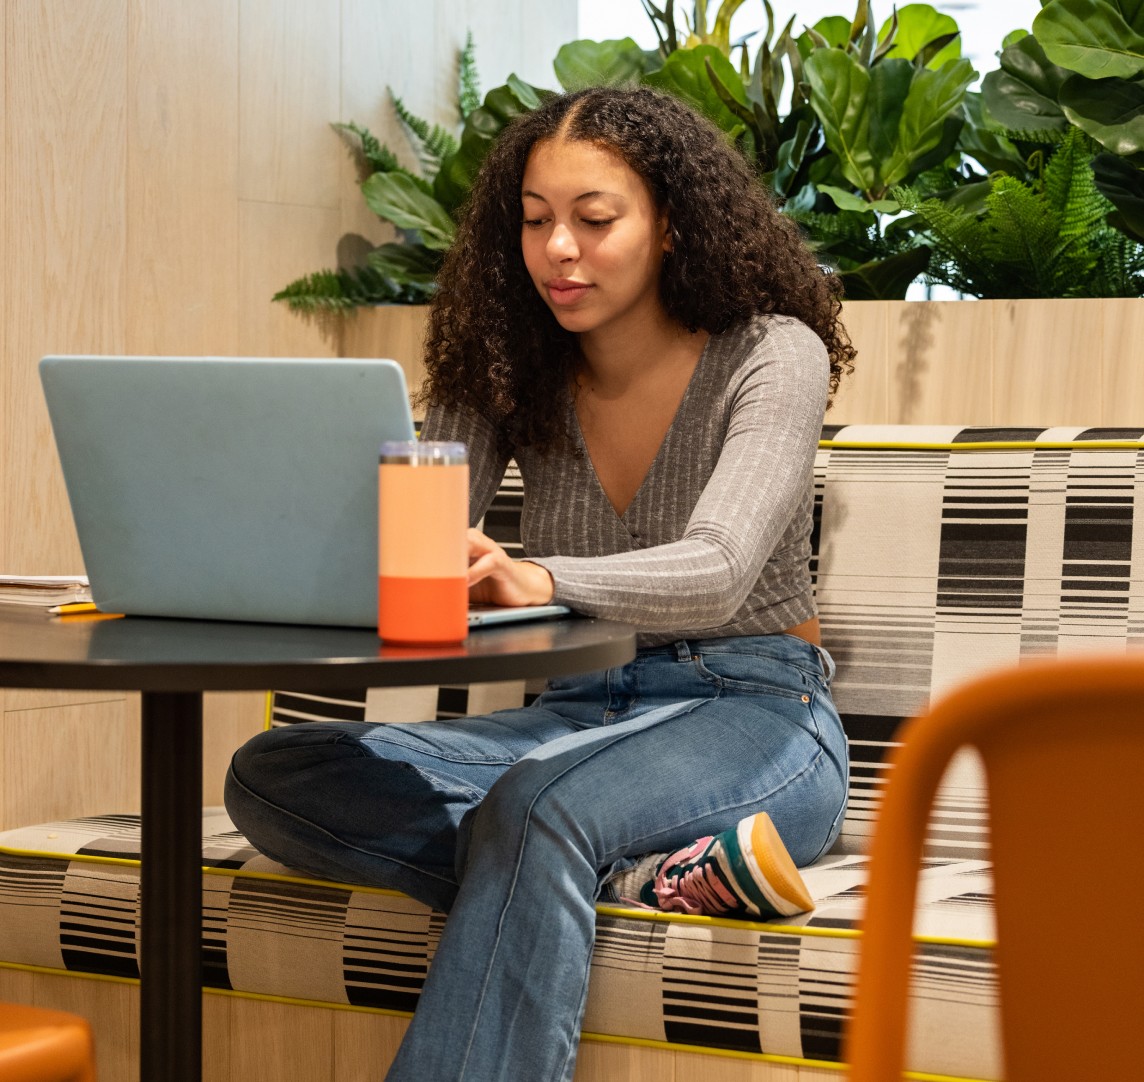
938	553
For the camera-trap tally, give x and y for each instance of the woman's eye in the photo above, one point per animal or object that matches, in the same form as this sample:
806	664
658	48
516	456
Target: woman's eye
533	222
599	223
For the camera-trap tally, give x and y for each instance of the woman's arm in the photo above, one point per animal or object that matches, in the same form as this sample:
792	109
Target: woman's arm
761	479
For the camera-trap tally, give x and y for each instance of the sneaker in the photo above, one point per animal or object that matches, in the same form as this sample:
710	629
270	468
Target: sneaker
743	872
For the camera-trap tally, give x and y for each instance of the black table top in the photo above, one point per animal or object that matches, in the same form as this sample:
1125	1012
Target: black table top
151	654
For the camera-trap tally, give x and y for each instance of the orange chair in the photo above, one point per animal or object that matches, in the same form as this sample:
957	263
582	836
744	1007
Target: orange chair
1063	746
38	1045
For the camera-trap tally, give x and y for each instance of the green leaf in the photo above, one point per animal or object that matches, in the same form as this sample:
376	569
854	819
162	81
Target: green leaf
1098	38
685	74
989	148
889	88
918	26
839	92
1022	95
834	30
599	63
482	126
932	98
845	200
397	199
406	263
885	279
1013	37
1110	110
1122	184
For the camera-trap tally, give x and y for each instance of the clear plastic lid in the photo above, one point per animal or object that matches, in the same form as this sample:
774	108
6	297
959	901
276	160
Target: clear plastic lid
416	453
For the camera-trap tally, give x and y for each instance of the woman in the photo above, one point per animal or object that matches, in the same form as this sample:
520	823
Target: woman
625	313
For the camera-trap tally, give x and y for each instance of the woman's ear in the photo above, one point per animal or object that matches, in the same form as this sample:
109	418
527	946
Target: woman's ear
668	234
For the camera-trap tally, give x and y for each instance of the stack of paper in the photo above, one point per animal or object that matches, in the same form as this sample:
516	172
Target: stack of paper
43	590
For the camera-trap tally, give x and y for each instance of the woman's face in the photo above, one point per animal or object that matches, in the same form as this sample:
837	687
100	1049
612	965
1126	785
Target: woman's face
592	239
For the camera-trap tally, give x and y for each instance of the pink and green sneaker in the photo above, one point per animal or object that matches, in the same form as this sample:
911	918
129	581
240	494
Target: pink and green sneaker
743	872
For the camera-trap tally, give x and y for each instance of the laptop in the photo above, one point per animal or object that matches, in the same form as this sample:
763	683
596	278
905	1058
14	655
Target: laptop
231	488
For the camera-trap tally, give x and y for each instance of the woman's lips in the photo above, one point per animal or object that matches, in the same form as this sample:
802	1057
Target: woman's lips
566	292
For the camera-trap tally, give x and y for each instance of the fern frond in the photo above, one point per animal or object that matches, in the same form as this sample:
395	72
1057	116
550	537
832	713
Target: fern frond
1070	188
433	142
1040	137
1119	270
337	291
1025	232
375	157
469	93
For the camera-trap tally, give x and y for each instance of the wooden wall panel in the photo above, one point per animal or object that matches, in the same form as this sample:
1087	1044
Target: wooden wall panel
229	719
371	64
1047	362
393	331
282	242
182	178
604	1061
57	762
863	394
941	362
365	1044
275	1046
1122	363
65	266
289	55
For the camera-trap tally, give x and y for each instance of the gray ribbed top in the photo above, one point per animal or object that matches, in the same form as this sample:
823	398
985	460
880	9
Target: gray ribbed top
716	542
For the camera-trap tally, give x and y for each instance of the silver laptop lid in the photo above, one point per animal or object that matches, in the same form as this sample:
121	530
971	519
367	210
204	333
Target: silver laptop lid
233	488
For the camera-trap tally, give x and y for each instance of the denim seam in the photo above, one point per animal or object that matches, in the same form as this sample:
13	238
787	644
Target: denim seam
333	837
516	875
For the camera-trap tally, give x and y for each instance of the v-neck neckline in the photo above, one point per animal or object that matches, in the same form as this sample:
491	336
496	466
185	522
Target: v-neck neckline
621	517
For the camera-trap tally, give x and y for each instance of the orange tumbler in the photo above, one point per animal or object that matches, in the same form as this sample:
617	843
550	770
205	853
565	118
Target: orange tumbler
423	553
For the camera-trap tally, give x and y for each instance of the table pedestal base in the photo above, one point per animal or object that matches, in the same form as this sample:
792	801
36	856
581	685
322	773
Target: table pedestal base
170	1032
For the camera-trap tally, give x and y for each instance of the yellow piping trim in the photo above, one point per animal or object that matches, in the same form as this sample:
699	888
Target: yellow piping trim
605	910
993	445
600	1038
268	713
48	855
784	929
49	971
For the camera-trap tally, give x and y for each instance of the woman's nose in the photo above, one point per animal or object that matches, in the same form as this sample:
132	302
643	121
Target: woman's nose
561	244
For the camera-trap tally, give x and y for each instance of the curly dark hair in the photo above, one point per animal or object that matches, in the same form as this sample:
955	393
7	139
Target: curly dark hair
492	345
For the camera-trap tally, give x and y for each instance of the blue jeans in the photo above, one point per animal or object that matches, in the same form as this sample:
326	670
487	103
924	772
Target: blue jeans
512	822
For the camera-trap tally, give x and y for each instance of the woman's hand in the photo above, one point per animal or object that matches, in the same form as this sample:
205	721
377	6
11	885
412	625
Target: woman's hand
497	579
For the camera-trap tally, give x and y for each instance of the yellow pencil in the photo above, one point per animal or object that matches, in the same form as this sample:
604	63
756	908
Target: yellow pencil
74	607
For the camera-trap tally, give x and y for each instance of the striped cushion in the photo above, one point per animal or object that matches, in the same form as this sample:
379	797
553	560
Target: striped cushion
934	557
941	552
779	989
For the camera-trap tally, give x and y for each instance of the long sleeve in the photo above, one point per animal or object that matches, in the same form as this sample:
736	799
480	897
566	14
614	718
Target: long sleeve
728	550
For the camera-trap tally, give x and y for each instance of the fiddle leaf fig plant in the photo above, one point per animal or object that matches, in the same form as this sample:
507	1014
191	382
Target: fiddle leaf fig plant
867	134
1100	46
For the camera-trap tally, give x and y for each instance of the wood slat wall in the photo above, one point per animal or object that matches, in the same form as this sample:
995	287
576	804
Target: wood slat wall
166	168
1075	362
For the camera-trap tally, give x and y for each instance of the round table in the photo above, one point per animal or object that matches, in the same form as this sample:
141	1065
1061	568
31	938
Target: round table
172	662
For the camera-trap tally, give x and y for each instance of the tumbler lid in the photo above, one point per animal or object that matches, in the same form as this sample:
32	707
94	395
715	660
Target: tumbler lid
418	453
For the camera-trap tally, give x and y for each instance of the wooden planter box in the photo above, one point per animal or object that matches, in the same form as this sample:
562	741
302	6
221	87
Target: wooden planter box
1020	362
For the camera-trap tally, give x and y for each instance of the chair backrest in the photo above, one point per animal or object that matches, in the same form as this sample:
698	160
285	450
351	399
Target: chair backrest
1062	744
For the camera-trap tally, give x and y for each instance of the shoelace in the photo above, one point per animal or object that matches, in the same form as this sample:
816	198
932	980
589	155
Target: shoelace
684	886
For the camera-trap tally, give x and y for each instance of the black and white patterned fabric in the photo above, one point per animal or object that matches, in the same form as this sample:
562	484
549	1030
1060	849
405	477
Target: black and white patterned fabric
938	553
